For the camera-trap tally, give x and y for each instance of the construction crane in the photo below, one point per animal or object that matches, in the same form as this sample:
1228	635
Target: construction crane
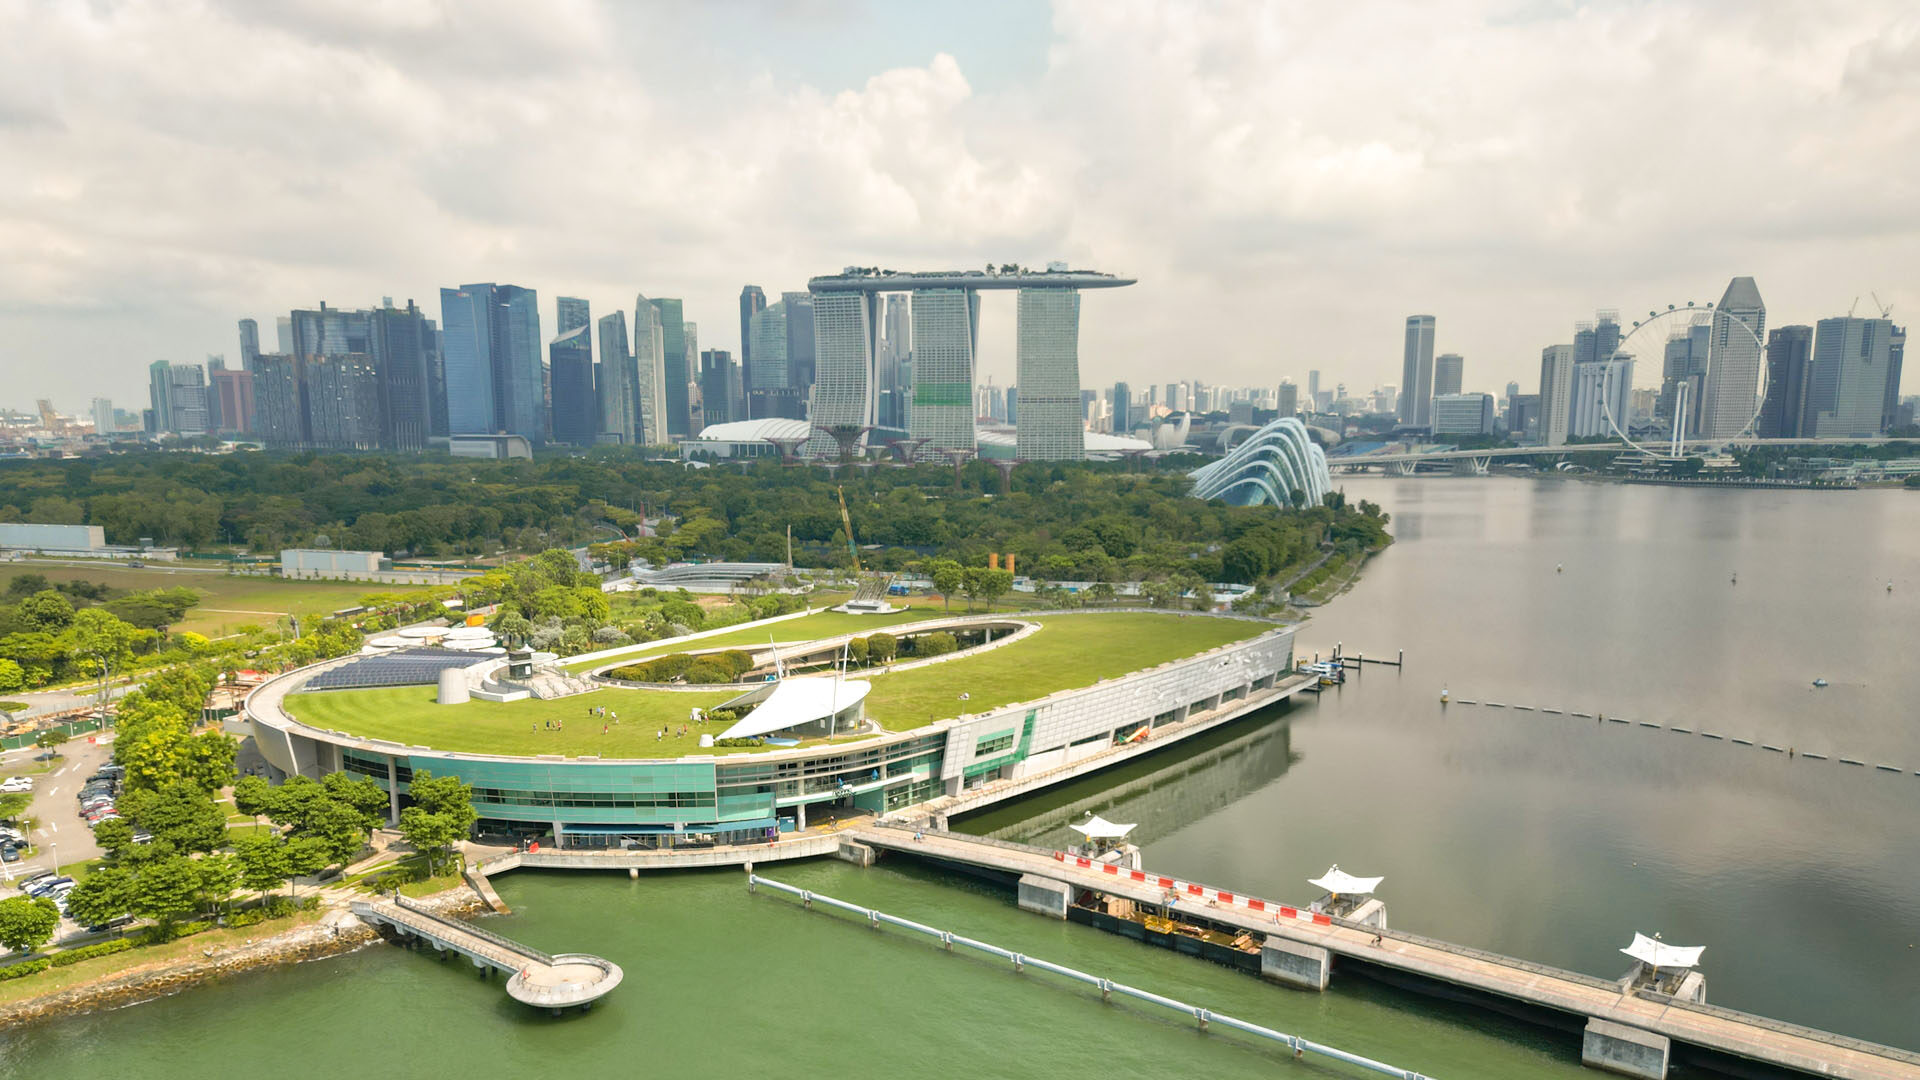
847	520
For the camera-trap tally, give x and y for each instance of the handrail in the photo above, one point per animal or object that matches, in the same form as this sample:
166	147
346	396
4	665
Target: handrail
507	943
1845	1042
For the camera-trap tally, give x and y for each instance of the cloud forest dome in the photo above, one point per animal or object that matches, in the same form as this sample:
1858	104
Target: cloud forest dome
1269	467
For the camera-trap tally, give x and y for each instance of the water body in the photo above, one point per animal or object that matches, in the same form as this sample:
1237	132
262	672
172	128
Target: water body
1547	837
1553	837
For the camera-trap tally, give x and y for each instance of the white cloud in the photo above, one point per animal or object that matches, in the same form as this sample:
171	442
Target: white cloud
1286	181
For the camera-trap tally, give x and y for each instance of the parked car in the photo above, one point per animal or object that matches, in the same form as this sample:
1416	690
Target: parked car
43	875
110	772
16	783
9	834
142	836
11	852
111	924
44	887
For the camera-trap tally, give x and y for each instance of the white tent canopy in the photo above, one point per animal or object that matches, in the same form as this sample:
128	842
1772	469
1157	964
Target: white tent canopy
1099	828
1336	880
1660	954
795	702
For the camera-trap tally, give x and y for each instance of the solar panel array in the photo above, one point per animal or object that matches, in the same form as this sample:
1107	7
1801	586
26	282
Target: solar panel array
402	667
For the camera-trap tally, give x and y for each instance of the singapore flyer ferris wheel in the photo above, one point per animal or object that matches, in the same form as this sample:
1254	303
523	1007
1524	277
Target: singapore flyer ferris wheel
1709	368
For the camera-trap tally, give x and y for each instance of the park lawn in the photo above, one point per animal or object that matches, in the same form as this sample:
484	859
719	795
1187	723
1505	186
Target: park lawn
1068	652
820	624
227	601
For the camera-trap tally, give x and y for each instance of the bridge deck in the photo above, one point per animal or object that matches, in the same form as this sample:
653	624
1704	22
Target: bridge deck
1723	1030
535	977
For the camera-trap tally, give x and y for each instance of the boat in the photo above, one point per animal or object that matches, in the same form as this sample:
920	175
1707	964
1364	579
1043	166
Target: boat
1820	682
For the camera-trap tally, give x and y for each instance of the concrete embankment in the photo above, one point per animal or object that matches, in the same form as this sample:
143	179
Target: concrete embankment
338	932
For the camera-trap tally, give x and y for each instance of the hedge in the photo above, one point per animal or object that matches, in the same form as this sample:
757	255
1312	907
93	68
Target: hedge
24	969
88	952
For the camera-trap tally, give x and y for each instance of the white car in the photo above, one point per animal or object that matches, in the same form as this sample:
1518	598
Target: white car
16	783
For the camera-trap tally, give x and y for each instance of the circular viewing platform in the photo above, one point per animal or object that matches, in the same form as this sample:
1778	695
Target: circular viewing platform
570	979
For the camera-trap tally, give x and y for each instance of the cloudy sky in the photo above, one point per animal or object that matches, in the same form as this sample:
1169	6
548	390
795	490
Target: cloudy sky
1287	180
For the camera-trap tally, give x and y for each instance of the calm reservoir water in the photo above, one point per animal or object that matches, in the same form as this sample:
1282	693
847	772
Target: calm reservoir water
1543	836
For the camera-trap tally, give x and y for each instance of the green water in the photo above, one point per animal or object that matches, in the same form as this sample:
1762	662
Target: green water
720	983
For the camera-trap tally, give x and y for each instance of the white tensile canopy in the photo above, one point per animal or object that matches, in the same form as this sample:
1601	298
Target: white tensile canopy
1099	828
1660	954
1336	880
795	702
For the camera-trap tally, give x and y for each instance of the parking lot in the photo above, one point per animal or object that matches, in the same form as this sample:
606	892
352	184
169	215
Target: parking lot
61	833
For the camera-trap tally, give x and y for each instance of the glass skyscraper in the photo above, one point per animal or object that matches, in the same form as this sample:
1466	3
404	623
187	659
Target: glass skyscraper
845	326
650	373
618	384
570	365
1731	393
1416	373
1048	419
494	377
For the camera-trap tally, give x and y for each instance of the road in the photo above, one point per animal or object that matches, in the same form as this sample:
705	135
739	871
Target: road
42	702
62	831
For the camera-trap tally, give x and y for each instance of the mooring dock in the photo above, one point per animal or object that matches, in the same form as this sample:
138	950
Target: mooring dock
555	982
1627	1031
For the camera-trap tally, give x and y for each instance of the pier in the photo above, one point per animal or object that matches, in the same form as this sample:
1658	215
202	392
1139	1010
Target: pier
554	982
1628	1030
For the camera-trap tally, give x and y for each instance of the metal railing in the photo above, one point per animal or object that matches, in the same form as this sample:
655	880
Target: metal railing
507	943
1107	987
1845	1042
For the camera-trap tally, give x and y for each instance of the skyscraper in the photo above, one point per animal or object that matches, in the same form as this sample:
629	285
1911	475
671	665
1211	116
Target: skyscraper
341	392
769	385
570	363
618	383
1122	408
803	349
283	334
574	313
720	387
690	339
1313	389
1896	356
1416	373
103	425
1048	416
1287	398
279	416
249	343
650	368
673	341
1730	394
491	353
1789	350
753	301
895	363
230	398
1847	378
945	325
1556	394
846	327
1447	371
1601	389
402	344
179	396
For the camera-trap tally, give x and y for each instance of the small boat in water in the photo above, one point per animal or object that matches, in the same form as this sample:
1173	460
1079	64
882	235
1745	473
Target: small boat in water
1819	682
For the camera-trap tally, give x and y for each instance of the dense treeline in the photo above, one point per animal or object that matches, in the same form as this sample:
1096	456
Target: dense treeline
1079	521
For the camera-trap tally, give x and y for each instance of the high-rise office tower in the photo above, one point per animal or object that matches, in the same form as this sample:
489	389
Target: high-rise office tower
402	344
1122	408
279	415
249	343
1556	394
1047	357
650	367
1313	388
946	322
1416	373
1597	340
1789	349
1896	357
673	339
103	425
696	416
1287	398
575	408
341	392
1513	391
1013	405
803	349
846	329
1447	371
1730	394
1847	378
618	384
159	395
770	390
720	387
495	382
283	334
753	301
574	313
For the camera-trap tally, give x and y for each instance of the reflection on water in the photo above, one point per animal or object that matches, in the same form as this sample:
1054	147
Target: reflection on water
1555	838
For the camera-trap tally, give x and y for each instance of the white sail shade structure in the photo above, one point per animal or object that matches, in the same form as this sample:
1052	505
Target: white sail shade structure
1099	828
1659	954
795	703
1338	881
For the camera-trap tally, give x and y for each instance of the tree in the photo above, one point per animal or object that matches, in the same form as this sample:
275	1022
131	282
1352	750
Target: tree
305	857
165	890
12	676
882	647
219	876
113	835
441	815
27	923
253	796
984	584
14	803
181	816
47	611
949	577
262	862
50	738
104	896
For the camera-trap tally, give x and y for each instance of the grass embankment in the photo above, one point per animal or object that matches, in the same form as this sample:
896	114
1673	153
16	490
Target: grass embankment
227	601
54	980
818	625
1068	652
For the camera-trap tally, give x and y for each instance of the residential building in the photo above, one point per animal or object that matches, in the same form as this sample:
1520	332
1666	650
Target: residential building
179	393
1416	373
1448	368
341	393
103	422
230	398
575	405
1462	414
1556	394
1847	378
1789	351
1601	403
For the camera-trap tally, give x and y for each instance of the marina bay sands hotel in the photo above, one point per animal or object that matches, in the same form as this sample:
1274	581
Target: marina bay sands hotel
946	325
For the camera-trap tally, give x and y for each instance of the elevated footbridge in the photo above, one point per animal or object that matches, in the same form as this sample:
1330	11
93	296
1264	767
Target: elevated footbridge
548	981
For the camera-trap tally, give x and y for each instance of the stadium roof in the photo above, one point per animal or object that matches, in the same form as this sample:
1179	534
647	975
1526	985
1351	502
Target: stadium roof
798	702
764	429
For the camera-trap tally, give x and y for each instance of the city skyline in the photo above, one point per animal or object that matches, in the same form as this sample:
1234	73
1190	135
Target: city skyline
1054	136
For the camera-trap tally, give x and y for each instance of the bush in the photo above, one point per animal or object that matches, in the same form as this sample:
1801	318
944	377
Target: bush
754	741
708	670
88	952
937	643
24	969
882	647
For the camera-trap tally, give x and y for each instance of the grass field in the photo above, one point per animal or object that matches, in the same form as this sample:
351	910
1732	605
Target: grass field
1068	652
227	602
818	625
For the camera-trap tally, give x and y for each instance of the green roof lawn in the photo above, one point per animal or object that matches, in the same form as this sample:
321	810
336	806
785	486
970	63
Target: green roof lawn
818	625
1068	652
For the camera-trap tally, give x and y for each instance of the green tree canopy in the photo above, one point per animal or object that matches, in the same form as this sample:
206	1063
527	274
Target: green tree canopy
27	923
